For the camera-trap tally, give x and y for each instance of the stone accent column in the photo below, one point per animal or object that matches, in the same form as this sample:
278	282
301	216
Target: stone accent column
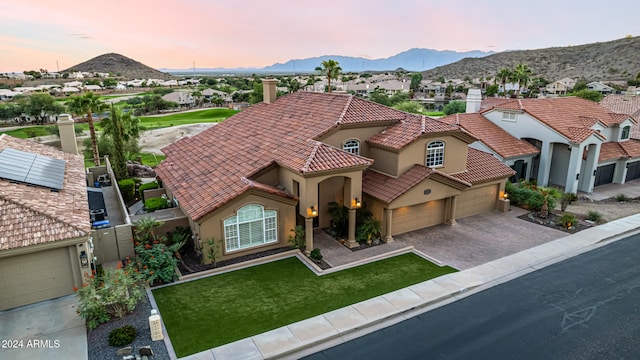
389	215
308	234
452	211
351	236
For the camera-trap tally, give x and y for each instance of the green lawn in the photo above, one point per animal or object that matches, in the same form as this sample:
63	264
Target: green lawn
147	159
28	132
193	117
220	309
434	113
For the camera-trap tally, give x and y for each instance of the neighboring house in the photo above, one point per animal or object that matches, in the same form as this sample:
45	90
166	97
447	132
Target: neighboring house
251	179
182	98
581	143
600	87
8	95
45	249
629	104
560	87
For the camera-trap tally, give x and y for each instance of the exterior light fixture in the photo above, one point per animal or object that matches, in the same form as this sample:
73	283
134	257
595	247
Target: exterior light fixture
505	195
314	211
357	202
84	260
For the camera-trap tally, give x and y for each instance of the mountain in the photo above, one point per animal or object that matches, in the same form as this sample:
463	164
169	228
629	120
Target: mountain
411	60
120	66
612	60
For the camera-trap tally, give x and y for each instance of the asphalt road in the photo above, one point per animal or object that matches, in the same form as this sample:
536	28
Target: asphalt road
586	307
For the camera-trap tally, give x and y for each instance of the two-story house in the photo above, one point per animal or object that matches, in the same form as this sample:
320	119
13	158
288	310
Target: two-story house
250	180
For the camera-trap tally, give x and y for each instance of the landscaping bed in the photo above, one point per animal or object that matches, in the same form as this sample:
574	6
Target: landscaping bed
98	339
554	221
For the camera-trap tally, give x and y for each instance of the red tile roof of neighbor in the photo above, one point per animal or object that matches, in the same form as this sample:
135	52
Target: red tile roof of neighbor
205	171
566	115
34	215
619	150
625	104
497	139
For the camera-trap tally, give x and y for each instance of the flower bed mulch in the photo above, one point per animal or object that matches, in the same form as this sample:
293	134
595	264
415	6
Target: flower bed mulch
361	246
553	221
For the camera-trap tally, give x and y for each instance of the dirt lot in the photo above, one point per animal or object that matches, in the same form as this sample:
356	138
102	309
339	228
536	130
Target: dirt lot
610	209
153	140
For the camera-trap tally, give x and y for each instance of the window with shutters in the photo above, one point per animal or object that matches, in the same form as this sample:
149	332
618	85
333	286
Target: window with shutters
251	226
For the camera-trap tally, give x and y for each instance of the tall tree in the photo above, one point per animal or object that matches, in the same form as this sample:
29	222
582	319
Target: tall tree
88	104
522	74
40	106
331	69
116	131
416	78
503	75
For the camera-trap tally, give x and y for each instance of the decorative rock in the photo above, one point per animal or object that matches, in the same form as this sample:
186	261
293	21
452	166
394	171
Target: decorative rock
124	351
145	351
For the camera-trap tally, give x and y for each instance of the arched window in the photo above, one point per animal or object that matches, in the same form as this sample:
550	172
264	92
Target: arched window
626	131
352	146
435	154
251	226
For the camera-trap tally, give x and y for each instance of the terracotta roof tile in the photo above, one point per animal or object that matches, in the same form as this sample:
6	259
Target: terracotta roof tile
411	128
482	166
610	151
34	215
205	171
490	102
623	104
497	139
564	114
631	147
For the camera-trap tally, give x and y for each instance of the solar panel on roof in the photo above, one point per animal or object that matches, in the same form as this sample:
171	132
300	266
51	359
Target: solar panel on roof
31	168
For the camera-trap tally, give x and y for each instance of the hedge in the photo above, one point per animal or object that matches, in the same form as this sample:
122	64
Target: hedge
157	203
147	186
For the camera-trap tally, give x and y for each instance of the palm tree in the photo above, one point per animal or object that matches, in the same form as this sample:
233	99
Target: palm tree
122	129
88	103
503	75
522	74
331	69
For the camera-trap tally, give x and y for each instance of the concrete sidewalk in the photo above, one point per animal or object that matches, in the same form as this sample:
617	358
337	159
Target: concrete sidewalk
324	331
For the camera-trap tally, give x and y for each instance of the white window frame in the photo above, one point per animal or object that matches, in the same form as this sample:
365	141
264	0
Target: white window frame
253	220
352	146
435	154
509	116
622	133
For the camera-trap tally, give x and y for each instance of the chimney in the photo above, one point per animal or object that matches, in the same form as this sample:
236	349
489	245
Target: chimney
269	92
67	134
474	99
630	93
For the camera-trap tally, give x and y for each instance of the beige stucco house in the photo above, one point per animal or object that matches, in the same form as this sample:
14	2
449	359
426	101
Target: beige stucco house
44	222
250	180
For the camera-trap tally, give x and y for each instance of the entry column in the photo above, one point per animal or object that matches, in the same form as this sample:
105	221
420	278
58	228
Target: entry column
351	238
451	217
389	215
308	235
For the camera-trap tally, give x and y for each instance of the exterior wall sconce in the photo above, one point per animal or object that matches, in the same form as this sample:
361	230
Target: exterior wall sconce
313	211
356	202
505	195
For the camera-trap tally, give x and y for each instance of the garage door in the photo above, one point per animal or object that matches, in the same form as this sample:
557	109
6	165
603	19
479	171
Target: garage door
477	201
416	217
31	278
633	171
604	174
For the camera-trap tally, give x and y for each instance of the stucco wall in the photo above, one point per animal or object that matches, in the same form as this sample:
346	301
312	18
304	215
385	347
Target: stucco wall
455	154
338	137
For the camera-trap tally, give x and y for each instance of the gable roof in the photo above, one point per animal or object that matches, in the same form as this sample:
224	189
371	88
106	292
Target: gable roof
205	171
566	115
619	150
34	215
624	104
482	167
496	138
388	188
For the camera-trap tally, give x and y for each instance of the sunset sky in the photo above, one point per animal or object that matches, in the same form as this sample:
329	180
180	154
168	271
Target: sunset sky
254	33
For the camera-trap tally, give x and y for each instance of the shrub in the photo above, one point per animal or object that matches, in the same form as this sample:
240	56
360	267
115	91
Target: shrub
315	254
147	186
567	199
594	216
153	204
297	240
622	197
122	336
568	220
114	294
157	262
127	189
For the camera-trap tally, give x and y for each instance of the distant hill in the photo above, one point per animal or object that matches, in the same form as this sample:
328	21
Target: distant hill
411	60
612	60
120	66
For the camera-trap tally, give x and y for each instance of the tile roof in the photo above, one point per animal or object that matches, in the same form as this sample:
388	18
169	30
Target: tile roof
566	115
624	104
482	166
206	170
491	102
496	138
34	215
413	127
388	188
620	150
